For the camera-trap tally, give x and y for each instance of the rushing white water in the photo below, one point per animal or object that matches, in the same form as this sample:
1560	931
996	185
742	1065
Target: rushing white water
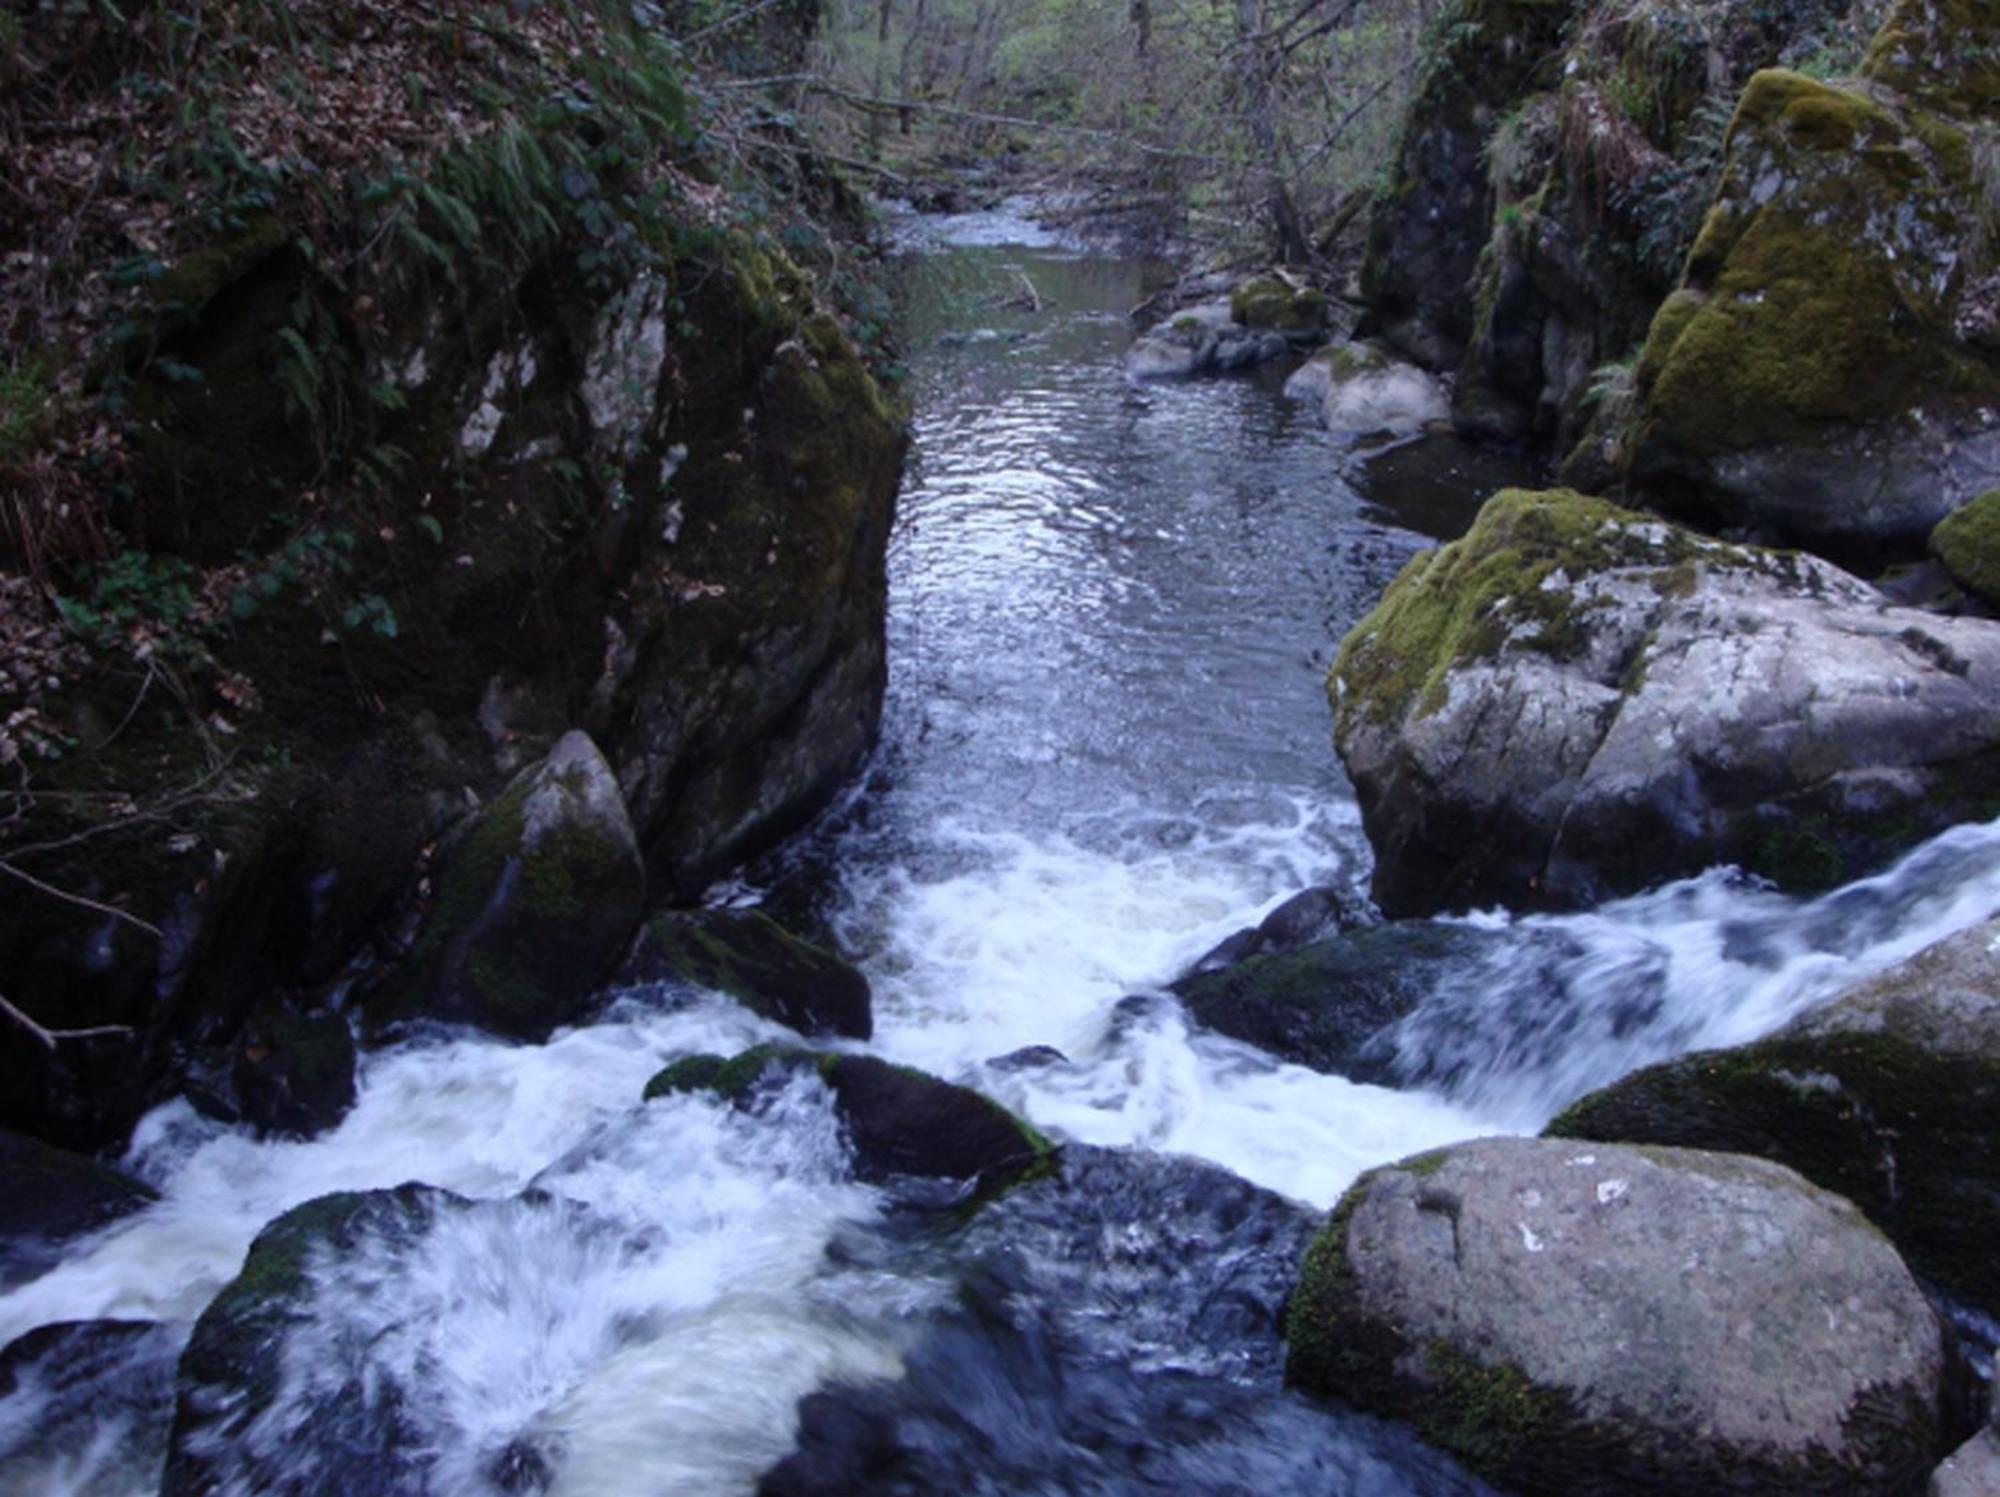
1104	751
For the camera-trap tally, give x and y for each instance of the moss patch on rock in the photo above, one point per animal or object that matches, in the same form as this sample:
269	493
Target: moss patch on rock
1500	586
1967	542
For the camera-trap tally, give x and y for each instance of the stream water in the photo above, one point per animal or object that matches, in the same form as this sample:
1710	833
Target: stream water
1105	749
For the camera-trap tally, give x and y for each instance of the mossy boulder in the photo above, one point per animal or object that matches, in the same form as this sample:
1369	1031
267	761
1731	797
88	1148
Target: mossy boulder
1575	701
756	961
900	1121
1889	1095
1576	1320
1826	371
1967	542
1330	1004
1482	57
49	1196
1275	304
533	907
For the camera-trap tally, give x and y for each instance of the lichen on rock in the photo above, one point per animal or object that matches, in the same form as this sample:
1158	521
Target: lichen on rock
1576	700
1595	1319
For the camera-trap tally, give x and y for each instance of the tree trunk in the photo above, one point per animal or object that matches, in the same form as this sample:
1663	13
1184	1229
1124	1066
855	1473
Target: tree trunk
1261	62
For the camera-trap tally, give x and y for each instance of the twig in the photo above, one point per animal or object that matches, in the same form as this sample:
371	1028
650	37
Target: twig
50	1037
89	904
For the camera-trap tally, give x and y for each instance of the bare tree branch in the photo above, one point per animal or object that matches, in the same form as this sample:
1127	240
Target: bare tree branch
52	1037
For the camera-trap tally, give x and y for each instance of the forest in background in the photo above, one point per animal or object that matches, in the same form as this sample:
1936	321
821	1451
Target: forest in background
1251	127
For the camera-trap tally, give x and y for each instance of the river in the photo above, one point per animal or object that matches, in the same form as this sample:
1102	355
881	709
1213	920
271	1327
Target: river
1105	748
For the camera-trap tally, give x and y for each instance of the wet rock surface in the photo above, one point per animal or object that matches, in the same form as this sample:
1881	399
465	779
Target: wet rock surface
1114	1329
49	1196
899	1121
1579	1319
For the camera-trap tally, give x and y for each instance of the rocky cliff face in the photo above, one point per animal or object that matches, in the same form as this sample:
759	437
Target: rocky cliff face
1830	366
557	446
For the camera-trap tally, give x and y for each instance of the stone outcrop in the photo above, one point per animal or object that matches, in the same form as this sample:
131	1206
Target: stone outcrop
1889	1095
1575	701
1828	369
652	503
1575	1319
1426	232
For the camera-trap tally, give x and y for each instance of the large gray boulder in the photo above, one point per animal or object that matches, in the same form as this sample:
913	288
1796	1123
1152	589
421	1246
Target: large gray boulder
1360	387
1582	1319
533	908
1973	1470
1889	1094
1575	701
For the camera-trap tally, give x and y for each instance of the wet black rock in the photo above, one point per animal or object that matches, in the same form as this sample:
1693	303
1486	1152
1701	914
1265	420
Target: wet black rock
288	1075
49	1196
1308	915
760	964
91	1384
1114	1329
900	1121
1330	1003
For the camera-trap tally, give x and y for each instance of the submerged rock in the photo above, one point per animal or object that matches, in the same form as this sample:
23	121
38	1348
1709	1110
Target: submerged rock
533	908
1309	915
1575	701
1889	1095
900	1121
49	1196
100	1386
1363	388
1828	368
756	961
245	1400
1576	1320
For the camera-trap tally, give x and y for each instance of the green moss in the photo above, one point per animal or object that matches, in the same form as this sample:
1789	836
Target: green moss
691	1073
1797	853
1944	53
195	278
1794	318
1909	1134
1489	1416
1468	600
1268	302
1967	542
